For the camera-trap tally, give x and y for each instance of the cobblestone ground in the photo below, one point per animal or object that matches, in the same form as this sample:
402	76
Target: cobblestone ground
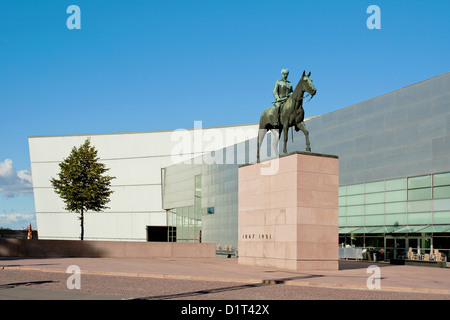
172	289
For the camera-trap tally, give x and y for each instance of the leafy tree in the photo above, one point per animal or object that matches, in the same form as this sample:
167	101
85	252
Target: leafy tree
82	184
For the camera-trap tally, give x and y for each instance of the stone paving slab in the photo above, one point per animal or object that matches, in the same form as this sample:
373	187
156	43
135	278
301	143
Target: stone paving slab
351	274
20	293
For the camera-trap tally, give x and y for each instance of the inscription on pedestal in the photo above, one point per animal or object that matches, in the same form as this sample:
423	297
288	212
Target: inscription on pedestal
260	236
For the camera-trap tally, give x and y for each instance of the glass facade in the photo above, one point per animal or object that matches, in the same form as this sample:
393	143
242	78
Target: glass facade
416	201
220	196
396	214
213	217
185	223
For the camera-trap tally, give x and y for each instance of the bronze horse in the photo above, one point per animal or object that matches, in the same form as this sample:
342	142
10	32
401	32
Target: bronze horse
292	114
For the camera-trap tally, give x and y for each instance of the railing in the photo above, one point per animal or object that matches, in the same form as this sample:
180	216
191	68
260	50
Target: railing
351	253
229	251
436	256
435	259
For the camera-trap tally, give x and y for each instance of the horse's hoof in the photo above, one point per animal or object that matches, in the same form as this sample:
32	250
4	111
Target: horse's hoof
308	149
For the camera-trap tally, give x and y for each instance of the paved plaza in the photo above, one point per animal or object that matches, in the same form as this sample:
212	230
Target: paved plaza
216	279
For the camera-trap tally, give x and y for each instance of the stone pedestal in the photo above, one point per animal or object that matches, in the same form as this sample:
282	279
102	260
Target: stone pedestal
288	212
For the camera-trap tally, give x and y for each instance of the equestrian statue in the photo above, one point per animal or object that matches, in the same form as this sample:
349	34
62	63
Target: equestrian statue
287	111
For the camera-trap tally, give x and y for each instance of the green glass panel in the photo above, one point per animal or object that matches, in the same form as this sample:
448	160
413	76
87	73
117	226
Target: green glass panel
395	219
172	218
419	194
442	217
355	200
374	209
342	221
371	187
355	221
191	234
420	218
374	197
419	182
197	232
375	220
419	206
181	233
342	211
441	192
441	179
396	184
342	191
396	207
355	210
355	189
441	205
394	196
342	201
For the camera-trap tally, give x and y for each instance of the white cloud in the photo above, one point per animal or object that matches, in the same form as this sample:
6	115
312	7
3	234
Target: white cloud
6	169
17	221
12	182
16	217
25	175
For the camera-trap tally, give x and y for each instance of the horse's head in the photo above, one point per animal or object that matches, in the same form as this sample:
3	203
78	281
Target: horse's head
307	84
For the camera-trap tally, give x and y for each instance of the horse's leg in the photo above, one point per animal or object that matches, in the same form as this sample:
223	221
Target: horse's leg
285	136
261	134
276	138
306	133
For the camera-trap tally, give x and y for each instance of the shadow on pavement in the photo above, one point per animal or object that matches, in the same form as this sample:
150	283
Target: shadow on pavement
28	283
267	282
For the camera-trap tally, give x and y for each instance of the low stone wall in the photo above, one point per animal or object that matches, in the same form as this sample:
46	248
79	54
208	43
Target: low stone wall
17	234
420	263
104	249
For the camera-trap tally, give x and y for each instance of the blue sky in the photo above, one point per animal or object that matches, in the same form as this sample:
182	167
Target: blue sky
158	65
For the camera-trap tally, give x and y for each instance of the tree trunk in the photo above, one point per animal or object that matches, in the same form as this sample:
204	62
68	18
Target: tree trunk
82	224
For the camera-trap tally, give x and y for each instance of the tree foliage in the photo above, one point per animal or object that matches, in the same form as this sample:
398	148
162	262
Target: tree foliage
82	183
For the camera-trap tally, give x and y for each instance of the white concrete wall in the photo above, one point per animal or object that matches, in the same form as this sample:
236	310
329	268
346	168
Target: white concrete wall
135	159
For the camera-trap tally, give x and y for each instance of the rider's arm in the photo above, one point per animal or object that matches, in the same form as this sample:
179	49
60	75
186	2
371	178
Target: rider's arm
275	92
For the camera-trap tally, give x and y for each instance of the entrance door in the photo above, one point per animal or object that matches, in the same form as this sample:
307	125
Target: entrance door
420	245
394	247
